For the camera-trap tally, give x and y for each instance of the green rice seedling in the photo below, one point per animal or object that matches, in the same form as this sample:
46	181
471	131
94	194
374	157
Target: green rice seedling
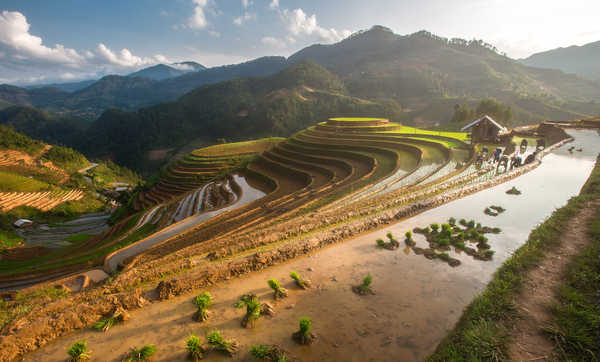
471	224
409	240
434	228
278	290
495	230
444	256
202	302
119	315
194	348
302	283
79	352
460	245
452	221
463	222
498	209
488	253
253	309
365	287
424	230
268	353
141	354
443	242
304	335
478	226
460	236
393	242
380	243
513	191
490	212
218	343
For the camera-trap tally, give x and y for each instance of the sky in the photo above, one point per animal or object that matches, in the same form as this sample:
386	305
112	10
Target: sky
68	40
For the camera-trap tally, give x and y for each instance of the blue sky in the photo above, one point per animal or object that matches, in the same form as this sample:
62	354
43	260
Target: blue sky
66	40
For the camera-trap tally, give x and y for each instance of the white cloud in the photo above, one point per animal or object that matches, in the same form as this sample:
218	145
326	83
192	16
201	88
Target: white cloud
299	23
25	58
246	3
274	4
15	39
198	20
215	34
273	42
244	18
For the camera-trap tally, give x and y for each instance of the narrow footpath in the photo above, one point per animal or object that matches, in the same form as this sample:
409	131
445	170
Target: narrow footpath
528	342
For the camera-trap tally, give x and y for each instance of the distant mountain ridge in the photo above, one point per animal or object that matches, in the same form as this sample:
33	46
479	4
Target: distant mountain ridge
163	71
581	60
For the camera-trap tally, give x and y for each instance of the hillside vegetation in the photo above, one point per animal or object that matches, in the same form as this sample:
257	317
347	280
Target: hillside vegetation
580	60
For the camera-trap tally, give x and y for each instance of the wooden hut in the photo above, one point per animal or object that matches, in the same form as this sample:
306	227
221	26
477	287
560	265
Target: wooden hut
485	129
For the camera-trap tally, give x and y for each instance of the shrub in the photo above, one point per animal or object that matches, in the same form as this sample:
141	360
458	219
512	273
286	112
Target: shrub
194	348
253	309
302	283
217	342
202	302
278	291
304	335
79	352
141	354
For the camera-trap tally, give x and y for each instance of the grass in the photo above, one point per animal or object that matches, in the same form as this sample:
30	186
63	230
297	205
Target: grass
78	238
302	283
278	290
357	119
79	352
141	354
194	348
217	342
9	239
234	148
253	309
461	136
268	353
576	317
202	301
304	335
481	333
11	182
365	287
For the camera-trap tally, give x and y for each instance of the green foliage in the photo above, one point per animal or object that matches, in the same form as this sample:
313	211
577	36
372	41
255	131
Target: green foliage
194	348
141	354
105	324
202	302
576	317
279	292
259	352
13	140
253	309
9	238
216	341
304	335
66	158
302	283
11	182
79	352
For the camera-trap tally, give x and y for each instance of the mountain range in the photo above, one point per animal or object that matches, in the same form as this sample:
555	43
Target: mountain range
416	78
581	60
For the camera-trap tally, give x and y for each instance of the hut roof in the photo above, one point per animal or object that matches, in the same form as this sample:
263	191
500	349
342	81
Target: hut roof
485	118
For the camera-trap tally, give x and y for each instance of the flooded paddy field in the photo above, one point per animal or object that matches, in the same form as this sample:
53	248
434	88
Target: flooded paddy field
416	300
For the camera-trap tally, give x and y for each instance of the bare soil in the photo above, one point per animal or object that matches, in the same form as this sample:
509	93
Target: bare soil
528	342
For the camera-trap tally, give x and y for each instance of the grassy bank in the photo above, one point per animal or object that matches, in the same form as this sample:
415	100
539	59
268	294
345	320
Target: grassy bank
480	333
575	328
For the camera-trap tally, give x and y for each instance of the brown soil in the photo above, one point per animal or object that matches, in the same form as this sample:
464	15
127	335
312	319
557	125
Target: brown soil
528	342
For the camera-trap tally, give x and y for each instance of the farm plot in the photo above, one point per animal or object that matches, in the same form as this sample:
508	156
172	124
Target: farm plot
43	201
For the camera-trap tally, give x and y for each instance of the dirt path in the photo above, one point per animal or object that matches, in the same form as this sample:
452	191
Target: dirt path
528	342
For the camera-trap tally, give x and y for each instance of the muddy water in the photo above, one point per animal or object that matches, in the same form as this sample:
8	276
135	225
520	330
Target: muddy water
249	194
417	300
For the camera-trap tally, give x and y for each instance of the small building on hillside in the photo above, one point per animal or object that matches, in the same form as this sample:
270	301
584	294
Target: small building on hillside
485	129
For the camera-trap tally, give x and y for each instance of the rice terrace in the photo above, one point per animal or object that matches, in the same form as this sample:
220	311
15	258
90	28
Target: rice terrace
369	196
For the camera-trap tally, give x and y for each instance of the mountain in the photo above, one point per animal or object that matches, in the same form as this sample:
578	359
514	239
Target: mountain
131	92
237	109
162	71
581	60
66	87
422	68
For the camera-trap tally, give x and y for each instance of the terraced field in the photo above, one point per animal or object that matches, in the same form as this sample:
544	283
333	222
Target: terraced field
232	189
43	201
